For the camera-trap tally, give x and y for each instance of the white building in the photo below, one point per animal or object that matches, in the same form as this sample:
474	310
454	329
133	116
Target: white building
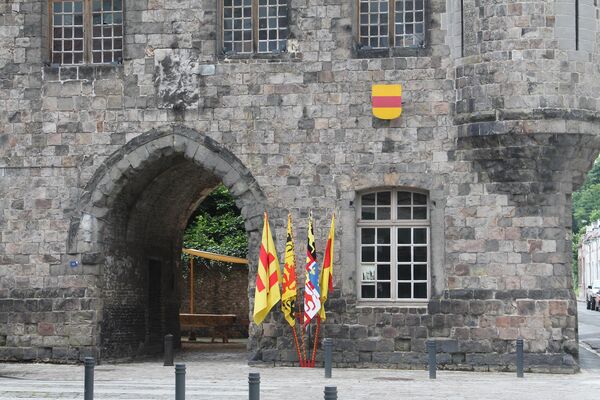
588	257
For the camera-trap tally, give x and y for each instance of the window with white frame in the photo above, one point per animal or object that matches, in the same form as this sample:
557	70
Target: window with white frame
86	31
391	23
254	26
393	234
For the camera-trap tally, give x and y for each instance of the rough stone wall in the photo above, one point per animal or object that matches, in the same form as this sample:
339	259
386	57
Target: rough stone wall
220	294
103	165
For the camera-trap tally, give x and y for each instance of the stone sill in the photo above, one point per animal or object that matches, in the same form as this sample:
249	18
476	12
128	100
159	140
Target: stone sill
259	57
392	304
361	52
89	72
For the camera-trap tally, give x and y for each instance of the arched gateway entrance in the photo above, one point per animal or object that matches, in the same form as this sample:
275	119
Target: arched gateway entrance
129	231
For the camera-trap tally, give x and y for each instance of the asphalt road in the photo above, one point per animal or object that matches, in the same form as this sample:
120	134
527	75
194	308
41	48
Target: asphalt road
589	338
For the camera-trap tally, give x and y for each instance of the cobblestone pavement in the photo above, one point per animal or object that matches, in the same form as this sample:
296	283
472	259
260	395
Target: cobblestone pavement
224	376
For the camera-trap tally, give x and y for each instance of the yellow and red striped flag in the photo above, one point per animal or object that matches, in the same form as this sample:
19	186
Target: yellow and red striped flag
326	278
387	101
288	284
268	275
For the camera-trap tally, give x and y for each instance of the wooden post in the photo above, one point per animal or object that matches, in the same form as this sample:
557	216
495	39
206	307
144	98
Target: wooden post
191	285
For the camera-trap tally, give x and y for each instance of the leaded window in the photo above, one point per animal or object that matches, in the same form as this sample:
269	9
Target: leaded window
391	23
393	232
86	31
254	26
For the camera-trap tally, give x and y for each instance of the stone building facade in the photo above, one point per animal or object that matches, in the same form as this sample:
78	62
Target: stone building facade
101	165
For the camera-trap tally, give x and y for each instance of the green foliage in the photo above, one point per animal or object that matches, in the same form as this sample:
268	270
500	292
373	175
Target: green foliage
218	227
586	208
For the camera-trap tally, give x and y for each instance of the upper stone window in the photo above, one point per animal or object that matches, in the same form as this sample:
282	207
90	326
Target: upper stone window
393	231
86	31
391	23
254	26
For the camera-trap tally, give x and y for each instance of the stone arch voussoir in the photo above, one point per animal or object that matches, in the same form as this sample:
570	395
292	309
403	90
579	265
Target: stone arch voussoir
122	165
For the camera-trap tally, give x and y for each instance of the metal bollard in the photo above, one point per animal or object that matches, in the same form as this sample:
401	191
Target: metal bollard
168	354
88	388
328	345
519	358
179	381
431	349
330	393
254	386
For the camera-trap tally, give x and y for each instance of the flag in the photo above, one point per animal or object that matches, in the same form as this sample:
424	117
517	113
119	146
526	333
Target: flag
288	297
387	101
326	279
268	275
312	297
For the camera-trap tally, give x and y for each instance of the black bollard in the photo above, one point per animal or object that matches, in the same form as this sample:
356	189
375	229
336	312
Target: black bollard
328	345
168	353
88	388
254	386
431	349
519	358
330	393
179	381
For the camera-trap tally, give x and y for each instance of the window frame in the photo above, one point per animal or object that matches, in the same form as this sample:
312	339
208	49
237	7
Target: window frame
255	33
393	224
88	27
363	51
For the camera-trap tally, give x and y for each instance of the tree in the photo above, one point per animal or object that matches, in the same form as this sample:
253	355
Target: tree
218	227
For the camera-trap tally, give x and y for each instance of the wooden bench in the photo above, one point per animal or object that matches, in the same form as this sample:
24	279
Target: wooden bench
219	324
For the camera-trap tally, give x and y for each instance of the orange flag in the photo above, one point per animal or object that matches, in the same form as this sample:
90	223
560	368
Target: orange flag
326	278
268	275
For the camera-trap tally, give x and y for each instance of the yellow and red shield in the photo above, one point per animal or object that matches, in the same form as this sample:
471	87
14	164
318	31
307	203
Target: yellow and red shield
387	101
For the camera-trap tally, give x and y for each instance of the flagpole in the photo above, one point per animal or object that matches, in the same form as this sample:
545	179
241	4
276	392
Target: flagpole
314	354
300	360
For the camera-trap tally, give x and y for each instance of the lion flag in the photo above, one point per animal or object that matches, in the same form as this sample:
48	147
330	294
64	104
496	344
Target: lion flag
268	275
312	296
326	279
387	101
288	297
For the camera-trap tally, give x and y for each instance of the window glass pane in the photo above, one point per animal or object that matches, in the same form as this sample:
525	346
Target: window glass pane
420	254
383	199
404	290
420	236
420	213
367	236
404	273
420	290
404	213
383	290
383	235
383	272
420	272
404	198
368	254
368	199
383	253
403	235
57	7
368	213
368	291
367	272
404	254
383	213
419	199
